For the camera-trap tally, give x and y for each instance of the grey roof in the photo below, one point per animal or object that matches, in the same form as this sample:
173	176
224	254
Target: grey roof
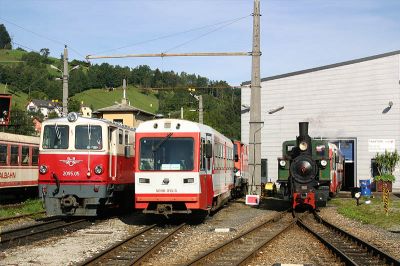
44	103
122	108
327	67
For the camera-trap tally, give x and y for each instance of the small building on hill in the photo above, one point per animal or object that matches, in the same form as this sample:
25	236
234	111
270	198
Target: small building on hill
85	111
124	113
45	107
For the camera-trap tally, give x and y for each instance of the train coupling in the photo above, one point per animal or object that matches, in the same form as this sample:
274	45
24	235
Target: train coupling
69	201
166	209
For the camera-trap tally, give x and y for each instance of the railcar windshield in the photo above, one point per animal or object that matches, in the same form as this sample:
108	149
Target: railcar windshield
166	154
55	137
88	137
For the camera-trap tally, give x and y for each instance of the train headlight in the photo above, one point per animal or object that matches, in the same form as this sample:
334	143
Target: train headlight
72	117
282	163
98	170
43	169
303	146
324	163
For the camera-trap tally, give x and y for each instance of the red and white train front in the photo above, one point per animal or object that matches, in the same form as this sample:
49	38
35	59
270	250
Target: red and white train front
85	164
181	167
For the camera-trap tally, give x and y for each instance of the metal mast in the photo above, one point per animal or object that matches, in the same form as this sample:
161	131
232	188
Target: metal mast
255	108
65	82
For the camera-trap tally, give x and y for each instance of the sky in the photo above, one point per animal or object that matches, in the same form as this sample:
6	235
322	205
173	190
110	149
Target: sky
295	34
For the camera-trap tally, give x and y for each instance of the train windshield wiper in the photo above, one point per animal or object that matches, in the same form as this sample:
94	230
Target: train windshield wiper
161	142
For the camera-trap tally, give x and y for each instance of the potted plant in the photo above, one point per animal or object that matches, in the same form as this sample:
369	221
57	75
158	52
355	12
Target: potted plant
385	164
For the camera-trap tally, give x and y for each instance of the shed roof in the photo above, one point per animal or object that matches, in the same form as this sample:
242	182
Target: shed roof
122	108
355	61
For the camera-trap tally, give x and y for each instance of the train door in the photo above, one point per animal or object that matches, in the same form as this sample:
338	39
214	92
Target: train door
208	171
113	152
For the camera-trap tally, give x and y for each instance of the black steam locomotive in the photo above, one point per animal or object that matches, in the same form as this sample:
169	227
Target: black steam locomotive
304	173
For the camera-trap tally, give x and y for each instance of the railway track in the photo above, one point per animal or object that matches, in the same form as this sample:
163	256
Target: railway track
240	249
350	249
38	231
5	219
136	248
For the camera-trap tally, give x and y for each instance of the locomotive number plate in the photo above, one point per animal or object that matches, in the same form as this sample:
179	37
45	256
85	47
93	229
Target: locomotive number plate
71	173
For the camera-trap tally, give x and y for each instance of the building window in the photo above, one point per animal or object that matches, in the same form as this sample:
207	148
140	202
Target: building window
118	121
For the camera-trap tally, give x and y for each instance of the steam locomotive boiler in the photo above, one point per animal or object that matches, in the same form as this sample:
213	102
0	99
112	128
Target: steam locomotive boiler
303	170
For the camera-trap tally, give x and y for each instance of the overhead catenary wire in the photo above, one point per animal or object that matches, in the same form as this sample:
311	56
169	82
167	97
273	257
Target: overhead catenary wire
230	21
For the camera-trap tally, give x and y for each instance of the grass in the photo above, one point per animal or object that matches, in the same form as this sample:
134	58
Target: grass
29	206
100	98
372	213
10	55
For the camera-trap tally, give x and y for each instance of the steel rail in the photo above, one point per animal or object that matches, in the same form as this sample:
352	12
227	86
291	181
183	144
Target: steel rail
97	257
200	258
2	241
20	216
371	248
360	243
150	250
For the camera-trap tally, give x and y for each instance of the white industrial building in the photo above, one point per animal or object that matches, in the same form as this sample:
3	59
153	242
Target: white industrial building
354	103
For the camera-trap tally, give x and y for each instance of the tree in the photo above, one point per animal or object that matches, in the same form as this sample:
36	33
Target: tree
20	122
5	39
44	52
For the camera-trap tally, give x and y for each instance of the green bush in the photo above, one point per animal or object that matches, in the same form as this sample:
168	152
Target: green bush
386	164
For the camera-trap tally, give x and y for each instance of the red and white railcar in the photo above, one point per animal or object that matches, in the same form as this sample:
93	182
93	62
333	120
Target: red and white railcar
241	153
336	159
18	163
182	167
85	164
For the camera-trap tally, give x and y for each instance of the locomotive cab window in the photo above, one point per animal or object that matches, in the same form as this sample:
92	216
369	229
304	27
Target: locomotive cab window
88	138
55	137
166	153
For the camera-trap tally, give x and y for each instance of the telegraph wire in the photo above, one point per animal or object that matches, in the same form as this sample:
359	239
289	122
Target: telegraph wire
42	36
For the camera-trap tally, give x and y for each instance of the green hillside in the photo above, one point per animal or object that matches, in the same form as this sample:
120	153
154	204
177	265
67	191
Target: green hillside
99	98
10	55
20	99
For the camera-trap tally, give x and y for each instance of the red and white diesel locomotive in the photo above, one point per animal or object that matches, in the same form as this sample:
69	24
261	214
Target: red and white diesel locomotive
182	167
18	164
85	164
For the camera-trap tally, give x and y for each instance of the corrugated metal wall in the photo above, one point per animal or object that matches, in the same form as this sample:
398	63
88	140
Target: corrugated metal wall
347	101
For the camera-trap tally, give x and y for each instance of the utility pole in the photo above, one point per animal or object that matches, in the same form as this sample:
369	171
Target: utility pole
255	108
65	82
200	109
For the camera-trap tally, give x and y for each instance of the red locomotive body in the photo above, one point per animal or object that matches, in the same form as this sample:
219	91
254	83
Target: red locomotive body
85	164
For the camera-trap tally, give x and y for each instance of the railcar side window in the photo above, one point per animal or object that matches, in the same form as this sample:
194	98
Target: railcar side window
120	138
166	154
3	154
35	155
88	137
25	155
55	137
14	155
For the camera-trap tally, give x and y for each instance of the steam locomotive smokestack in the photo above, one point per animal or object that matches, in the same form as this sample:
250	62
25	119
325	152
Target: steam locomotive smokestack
303	129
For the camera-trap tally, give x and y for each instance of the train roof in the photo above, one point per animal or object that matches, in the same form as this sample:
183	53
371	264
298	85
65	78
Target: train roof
174	125
9	137
84	120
